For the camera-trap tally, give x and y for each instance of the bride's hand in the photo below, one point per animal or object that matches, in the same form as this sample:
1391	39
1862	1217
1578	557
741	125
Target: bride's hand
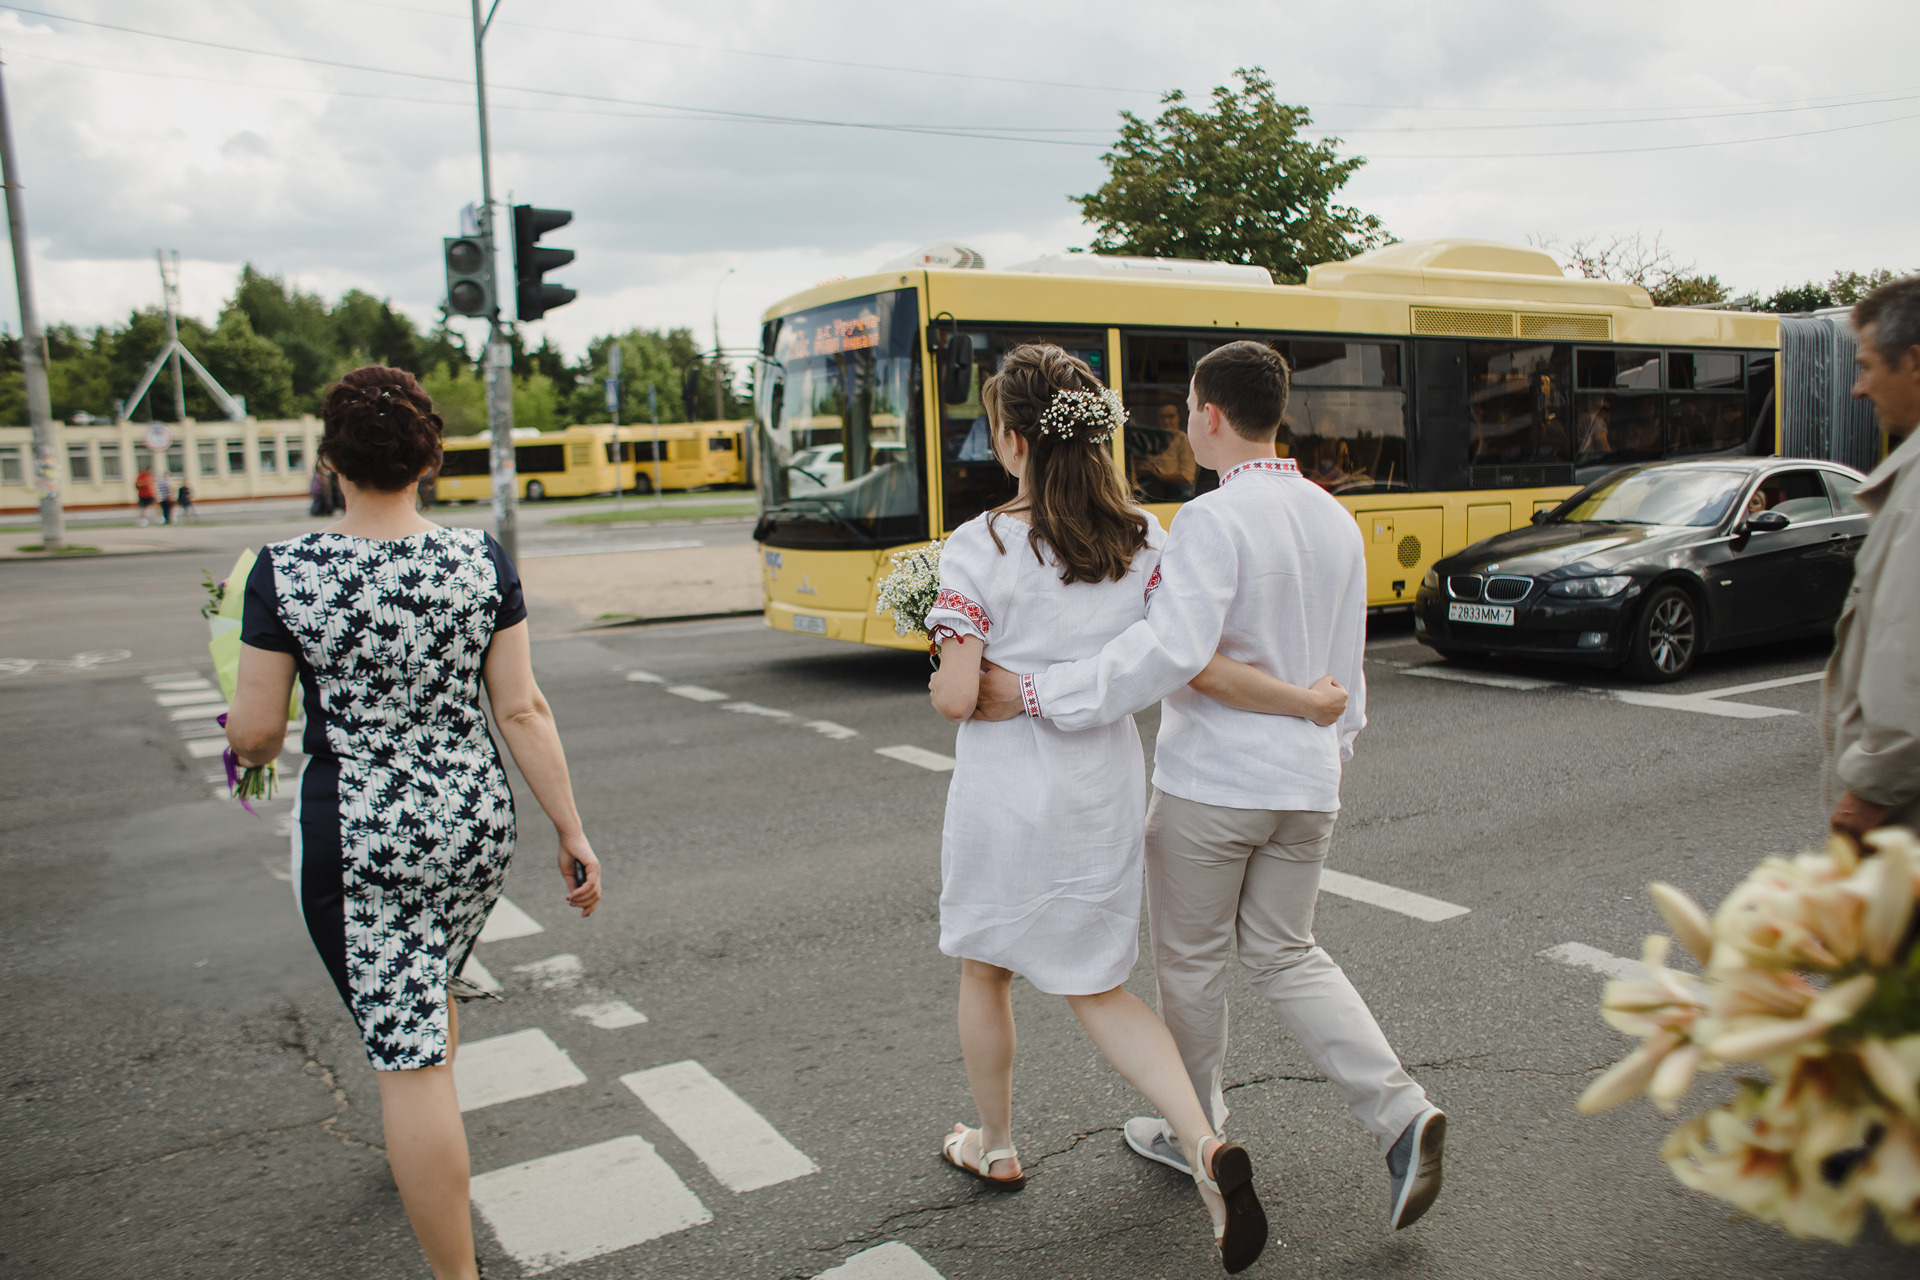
1329	700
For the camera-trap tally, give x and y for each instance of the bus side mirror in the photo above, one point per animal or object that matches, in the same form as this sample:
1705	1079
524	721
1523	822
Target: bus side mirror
956	368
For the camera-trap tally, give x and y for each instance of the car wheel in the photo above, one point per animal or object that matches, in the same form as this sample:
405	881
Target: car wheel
535	491
1666	637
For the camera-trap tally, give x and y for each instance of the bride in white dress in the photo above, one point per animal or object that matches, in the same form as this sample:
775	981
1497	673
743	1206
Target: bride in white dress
1041	852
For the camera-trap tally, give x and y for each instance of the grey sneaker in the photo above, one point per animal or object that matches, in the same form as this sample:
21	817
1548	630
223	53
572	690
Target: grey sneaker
1413	1167
1152	1137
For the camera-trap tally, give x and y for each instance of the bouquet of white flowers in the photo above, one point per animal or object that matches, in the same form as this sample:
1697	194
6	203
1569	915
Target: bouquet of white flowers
908	591
1812	970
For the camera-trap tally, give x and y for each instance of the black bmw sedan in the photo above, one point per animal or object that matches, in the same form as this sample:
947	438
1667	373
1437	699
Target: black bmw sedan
1652	566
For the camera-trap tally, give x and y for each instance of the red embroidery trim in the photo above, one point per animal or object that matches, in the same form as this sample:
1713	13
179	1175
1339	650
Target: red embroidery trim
1153	584
1029	697
1285	466
949	599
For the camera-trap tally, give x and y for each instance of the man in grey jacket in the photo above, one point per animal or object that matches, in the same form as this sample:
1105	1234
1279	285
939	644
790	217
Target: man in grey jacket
1873	679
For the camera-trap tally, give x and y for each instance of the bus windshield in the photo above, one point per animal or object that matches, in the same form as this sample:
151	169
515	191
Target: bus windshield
837	413
1656	496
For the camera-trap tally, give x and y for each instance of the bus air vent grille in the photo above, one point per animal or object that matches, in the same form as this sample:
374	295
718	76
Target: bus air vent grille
1536	324
1409	551
1464	324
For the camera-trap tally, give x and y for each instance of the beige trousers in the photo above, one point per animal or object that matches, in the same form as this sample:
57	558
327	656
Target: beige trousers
1216	876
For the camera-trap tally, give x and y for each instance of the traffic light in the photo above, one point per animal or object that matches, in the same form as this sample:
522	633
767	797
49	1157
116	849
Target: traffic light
469	275
530	262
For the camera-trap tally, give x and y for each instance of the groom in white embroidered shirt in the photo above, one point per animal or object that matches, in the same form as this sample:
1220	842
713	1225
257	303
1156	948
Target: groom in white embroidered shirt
1267	569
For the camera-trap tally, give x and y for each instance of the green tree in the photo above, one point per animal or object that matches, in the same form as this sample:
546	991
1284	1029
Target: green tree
1843	290
367	329
1235	184
248	365
459	396
1632	259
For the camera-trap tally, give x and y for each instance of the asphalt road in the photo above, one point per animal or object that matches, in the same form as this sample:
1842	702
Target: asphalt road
186	1098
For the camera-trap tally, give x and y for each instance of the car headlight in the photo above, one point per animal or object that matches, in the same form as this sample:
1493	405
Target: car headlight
1432	581
1591	588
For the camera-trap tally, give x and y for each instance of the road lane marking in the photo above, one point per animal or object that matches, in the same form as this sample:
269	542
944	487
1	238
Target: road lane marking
1581	956
917	755
1406	902
509	921
828	729
555	973
1806	678
1706	704
1480	677
520	1064
696	693
609	1015
645	677
890	1261
583	1203
539	552
476	973
206	711
755	709
733	1140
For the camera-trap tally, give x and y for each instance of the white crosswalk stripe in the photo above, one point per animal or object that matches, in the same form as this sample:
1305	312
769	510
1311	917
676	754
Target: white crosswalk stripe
733	1140
696	693
554	973
918	756
204	711
520	1064
890	1261
190	697
609	1015
509	921
585	1203
1579	955
1406	902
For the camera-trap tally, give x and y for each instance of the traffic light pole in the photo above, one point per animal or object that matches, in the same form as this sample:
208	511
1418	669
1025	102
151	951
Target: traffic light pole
33	351
499	357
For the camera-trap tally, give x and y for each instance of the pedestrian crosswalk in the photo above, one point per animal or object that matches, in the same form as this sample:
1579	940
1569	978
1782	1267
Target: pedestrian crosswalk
193	705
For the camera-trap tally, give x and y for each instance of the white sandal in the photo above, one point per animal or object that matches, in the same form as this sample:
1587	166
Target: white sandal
950	1150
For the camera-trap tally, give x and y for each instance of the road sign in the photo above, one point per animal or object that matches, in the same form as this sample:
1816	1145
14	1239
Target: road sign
159	437
613	395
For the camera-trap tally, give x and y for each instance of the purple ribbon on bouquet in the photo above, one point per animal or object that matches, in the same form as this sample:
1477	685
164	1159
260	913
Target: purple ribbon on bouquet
232	761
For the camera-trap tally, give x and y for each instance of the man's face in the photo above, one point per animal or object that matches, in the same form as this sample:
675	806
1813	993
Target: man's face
1893	388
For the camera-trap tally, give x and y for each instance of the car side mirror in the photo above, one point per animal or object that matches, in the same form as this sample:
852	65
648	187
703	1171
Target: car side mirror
1767	522
1540	517
956	368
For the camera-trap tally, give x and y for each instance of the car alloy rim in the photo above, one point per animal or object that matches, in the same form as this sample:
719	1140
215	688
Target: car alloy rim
1670	634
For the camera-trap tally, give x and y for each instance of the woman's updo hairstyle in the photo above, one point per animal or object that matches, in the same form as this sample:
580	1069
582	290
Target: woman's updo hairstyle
1078	503
380	430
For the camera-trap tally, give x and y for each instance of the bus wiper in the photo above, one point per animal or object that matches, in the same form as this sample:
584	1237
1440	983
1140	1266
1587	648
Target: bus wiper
833	512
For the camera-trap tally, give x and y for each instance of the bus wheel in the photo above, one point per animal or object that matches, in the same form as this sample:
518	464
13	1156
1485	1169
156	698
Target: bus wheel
535	491
643	484
1666	637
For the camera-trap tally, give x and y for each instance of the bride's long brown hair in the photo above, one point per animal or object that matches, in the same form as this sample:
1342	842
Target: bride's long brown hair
1077	503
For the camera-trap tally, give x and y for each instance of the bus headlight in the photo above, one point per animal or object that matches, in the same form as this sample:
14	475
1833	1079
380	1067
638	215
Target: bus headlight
1591	588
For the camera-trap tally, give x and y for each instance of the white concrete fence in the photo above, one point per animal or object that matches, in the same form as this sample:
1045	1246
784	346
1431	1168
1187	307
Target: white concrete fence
218	459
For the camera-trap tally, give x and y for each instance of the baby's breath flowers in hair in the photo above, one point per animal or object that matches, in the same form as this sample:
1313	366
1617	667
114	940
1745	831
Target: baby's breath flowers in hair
1092	416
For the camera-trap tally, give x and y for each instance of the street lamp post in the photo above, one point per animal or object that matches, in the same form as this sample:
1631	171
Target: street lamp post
499	356
33	350
719	408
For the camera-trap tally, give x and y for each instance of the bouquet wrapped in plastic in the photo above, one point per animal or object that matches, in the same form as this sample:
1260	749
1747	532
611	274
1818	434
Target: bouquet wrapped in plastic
223	612
1812	970
909	590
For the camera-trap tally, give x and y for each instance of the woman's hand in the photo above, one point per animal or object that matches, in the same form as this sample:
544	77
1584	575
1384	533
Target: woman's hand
576	852
1329	700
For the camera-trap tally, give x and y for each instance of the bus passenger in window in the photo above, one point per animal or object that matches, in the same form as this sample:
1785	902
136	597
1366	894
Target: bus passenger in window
1332	464
1171	464
1593	428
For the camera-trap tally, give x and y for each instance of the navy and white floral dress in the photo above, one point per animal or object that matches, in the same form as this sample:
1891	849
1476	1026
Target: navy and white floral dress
403	826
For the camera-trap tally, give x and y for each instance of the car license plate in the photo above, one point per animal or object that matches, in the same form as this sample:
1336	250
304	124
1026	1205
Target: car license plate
1498	615
818	626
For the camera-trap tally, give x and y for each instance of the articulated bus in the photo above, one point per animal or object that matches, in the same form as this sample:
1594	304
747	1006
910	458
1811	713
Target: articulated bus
551	464
685	455
1443	391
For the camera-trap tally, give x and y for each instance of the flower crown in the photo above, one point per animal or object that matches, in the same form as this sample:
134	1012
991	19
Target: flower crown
1092	416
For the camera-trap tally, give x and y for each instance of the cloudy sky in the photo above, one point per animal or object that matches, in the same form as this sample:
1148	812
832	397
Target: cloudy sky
334	141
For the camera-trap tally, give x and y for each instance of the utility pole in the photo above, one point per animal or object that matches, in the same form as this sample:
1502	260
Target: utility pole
33	350
719	406
499	357
170	295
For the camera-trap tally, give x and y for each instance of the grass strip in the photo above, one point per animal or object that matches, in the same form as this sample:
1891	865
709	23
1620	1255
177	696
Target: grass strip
684	511
41	549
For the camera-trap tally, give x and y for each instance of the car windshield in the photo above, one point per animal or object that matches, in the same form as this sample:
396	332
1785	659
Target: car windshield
837	403
1657	496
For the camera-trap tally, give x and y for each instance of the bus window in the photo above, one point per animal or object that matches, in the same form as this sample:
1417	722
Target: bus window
971	478
539	457
1706	402
465	462
1618	408
720	444
1346	420
1517	409
1160	462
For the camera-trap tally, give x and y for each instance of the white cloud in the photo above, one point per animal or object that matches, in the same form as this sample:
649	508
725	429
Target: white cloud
317	173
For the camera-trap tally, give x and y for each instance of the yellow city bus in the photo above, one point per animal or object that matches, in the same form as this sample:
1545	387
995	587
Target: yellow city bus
1444	391
685	455
551	464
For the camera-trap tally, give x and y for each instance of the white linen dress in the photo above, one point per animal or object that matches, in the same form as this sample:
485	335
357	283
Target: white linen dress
1041	852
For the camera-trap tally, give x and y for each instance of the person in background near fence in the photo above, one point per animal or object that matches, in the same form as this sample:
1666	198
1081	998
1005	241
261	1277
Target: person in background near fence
185	499
163	490
143	489
1873	679
403	822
